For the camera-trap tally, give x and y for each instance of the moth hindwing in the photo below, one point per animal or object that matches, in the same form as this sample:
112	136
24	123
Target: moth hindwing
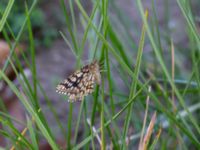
81	82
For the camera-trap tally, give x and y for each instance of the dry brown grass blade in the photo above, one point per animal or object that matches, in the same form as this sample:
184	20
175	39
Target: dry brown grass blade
173	72
18	139
145	119
148	134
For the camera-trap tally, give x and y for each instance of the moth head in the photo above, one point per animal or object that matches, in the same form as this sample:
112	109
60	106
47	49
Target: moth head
95	69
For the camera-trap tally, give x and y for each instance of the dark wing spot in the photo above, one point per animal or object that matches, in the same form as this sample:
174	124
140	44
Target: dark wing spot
73	83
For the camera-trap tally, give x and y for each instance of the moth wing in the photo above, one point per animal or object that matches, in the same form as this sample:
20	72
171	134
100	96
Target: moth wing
89	84
79	84
70	85
84	87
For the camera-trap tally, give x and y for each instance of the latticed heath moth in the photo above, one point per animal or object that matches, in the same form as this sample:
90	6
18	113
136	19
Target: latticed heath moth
81	82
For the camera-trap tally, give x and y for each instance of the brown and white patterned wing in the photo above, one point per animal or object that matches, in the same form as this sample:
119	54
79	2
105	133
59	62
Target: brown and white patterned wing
80	83
71	86
77	85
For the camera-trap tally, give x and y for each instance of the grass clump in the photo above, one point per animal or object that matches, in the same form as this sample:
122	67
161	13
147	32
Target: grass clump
147	95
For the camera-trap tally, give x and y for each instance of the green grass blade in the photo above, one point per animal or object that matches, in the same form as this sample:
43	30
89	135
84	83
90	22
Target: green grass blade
134	83
32	133
32	52
31	110
18	36
6	13
159	58
67	20
86	140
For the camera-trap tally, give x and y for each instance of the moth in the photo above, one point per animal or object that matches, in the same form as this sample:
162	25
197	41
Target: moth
81	83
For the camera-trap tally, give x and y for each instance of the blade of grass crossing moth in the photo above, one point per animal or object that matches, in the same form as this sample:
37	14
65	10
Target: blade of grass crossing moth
163	66
134	83
6	13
